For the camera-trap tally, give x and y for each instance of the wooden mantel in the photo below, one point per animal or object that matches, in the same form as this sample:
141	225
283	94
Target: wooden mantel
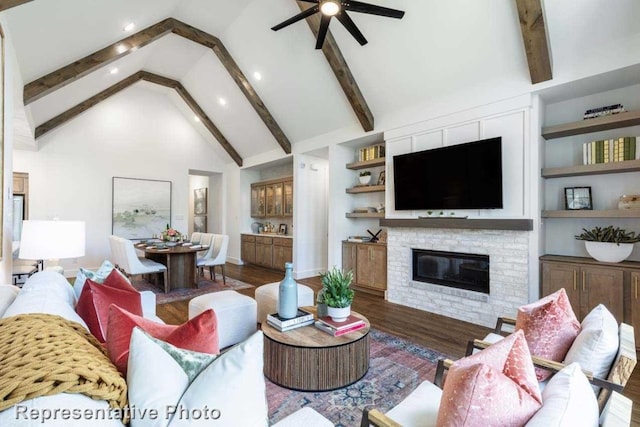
468	223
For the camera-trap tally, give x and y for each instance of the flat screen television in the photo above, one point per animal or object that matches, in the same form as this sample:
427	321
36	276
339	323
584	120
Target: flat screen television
464	176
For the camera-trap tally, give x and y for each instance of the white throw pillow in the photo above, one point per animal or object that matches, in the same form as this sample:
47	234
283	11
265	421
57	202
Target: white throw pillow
597	344
228	391
8	293
567	401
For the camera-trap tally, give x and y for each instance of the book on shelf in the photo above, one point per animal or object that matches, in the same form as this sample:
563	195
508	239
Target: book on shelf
338	332
291	327
359	239
611	150
370	153
603	111
300	317
351	321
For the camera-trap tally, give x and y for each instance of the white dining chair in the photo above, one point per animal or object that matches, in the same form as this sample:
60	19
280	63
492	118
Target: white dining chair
216	255
124	257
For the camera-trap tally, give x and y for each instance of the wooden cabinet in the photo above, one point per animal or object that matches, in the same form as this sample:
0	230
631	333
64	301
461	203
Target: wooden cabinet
264	254
368	261
589	283
282	252
266	251
273	198
248	248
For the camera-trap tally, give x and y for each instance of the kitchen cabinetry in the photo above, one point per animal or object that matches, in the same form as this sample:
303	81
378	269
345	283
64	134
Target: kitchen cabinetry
582	127
272	199
366	188
589	282
266	251
368	261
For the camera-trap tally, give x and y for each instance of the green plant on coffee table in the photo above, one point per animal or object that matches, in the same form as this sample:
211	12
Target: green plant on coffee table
365	173
609	234
337	288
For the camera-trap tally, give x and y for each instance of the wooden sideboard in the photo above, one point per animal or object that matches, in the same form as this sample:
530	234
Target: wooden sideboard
589	282
266	250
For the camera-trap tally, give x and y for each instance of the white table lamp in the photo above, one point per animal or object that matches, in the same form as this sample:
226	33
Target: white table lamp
52	240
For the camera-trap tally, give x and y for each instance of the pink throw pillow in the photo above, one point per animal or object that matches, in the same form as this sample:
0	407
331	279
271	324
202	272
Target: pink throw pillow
198	334
496	386
550	327
95	299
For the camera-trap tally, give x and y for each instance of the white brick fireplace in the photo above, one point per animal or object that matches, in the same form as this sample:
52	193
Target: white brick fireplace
508	252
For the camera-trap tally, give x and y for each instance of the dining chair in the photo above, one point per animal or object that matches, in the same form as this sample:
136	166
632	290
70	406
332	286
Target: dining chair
216	255
124	257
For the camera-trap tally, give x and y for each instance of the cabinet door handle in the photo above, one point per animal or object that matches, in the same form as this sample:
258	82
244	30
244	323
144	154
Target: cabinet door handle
575	280
635	287
584	281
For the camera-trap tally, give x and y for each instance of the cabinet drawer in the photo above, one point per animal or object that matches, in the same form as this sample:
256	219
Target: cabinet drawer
279	241
248	238
264	240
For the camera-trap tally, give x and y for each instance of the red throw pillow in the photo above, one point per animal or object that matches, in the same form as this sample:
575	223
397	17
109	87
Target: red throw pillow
198	334
95	299
496	386
550	327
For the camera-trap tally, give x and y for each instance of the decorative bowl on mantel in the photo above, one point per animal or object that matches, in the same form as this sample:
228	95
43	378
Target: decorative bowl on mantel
608	251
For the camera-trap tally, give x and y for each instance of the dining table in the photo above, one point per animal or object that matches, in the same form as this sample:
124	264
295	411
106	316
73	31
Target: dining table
180	260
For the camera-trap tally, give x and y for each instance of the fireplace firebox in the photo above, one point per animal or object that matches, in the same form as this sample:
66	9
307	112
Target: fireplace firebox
452	269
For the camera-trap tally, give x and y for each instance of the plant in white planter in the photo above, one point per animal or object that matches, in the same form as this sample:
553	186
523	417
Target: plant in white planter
337	293
365	177
608	244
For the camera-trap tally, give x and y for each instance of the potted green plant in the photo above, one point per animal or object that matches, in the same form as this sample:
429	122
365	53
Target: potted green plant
365	177
608	244
337	293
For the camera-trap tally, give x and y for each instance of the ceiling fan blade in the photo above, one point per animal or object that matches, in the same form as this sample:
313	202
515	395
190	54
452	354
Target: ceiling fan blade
322	31
311	1
297	18
351	27
371	9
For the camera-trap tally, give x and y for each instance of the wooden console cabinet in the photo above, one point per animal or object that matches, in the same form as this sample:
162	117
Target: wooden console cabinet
266	251
368	261
589	282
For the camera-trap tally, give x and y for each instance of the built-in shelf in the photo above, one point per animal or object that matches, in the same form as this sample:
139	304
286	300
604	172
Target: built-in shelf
474	223
366	164
365	189
365	215
597	169
612	213
614	121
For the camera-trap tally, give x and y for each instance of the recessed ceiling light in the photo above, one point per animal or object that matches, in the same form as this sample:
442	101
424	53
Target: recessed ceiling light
129	27
222	101
114	70
257	76
196	118
121	48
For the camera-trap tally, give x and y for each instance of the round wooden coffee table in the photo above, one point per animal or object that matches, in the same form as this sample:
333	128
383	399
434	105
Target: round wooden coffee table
308	359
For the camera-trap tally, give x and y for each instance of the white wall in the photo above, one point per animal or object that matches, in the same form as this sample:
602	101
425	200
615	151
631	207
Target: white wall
605	189
137	133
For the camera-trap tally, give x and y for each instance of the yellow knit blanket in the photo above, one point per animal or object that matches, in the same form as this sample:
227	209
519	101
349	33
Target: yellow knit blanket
43	354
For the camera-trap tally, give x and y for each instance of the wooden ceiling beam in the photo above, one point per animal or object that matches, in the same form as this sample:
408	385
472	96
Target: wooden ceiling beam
342	71
534	35
65	75
213	43
80	68
8	4
123	84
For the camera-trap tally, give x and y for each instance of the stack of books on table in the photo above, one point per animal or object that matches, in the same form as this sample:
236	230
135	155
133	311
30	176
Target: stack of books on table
302	318
336	329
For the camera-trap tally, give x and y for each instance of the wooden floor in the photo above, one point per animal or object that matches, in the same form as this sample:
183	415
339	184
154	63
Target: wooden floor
440	333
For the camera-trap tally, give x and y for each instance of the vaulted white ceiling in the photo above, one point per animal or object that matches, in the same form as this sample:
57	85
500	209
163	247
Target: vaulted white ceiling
440	50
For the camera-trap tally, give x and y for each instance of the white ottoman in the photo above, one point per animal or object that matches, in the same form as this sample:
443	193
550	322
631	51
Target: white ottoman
267	299
304	417
236	314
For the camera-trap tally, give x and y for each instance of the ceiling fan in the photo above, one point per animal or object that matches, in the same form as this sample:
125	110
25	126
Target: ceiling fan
339	8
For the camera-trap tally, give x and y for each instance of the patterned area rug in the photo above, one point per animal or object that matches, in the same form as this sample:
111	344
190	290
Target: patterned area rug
205	286
397	367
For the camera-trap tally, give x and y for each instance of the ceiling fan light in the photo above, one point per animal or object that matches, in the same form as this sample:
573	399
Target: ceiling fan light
330	7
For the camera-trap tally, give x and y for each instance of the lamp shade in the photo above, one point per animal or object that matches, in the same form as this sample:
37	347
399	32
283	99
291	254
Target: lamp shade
52	239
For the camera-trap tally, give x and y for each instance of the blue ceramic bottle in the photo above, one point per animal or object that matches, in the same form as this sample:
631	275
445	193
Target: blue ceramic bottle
288	294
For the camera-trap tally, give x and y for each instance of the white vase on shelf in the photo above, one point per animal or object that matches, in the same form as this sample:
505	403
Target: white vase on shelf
364	180
609	252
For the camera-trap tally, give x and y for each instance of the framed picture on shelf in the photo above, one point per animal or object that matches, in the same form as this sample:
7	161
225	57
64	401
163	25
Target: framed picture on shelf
200	201
578	198
282	229
381	178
